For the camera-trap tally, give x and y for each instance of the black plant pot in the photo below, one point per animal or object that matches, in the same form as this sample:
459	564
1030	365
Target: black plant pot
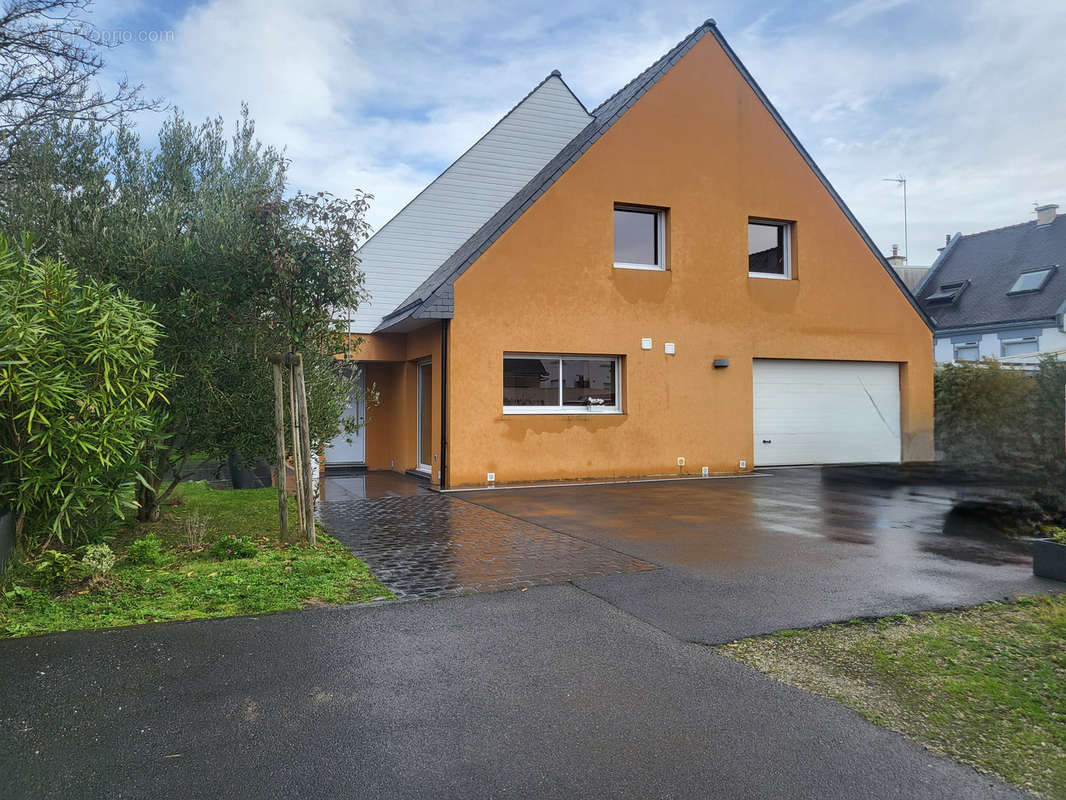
1049	559
239	474
7	537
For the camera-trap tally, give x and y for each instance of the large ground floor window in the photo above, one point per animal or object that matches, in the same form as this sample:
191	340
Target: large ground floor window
561	384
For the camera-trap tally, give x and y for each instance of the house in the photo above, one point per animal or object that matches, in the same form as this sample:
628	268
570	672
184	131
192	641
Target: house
1000	293
666	285
911	275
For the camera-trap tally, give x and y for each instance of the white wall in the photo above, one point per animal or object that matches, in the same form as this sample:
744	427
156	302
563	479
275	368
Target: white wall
1051	339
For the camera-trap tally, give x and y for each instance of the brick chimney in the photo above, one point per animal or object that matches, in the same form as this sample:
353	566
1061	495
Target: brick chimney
896	260
1045	215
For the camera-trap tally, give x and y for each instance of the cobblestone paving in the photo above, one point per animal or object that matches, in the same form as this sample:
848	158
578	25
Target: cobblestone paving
435	545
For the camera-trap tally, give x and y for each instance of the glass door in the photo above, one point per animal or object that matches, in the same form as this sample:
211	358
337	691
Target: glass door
425	416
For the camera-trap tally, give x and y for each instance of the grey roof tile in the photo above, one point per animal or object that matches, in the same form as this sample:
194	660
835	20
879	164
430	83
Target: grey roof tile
991	261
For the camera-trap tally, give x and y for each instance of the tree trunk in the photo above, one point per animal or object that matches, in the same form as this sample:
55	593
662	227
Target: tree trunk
279	441
305	451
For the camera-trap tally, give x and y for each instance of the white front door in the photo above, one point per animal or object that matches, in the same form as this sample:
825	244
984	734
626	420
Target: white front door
425	416
341	451
825	412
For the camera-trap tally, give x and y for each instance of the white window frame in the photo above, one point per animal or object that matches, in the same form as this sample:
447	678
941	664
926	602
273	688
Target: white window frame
787	243
561	409
660	237
1019	340
965	345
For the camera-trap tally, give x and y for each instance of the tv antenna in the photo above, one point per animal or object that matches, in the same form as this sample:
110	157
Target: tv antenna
902	182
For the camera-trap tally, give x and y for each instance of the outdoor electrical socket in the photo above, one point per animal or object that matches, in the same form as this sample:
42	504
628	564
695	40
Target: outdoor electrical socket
743	464
492	477
645	343
681	461
705	472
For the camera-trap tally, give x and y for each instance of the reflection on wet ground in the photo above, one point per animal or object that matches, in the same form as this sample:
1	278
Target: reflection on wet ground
425	544
361	485
736	557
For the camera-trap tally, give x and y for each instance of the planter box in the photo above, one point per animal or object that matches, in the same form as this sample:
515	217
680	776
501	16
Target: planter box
1049	559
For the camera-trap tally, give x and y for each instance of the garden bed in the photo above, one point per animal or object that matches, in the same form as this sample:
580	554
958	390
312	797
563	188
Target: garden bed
985	685
181	578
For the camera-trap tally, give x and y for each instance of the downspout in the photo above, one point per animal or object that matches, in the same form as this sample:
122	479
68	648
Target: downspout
444	403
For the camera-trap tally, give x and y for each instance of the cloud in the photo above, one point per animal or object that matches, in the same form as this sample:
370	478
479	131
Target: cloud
960	97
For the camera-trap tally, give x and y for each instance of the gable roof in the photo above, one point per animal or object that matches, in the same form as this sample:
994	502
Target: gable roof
434	298
399	256
990	262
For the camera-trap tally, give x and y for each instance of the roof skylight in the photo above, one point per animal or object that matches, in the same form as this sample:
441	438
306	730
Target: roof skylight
1031	281
947	293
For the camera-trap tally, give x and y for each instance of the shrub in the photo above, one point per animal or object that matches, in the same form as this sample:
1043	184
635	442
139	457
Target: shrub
146	551
77	377
229	547
56	570
1006	423
97	559
195	530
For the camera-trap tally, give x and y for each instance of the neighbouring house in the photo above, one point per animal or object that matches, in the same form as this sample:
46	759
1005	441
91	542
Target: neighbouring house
666	285
1001	293
911	275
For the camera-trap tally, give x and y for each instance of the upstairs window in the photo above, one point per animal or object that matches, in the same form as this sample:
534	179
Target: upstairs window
1031	281
947	293
967	351
639	236
561	384
1020	346
769	249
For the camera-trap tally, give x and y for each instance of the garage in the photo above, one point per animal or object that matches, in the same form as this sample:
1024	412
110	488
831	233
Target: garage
825	412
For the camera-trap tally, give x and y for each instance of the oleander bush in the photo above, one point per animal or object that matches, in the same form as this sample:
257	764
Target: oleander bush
77	378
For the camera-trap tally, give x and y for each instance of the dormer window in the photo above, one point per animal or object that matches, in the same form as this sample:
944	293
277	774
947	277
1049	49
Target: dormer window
1032	280
947	293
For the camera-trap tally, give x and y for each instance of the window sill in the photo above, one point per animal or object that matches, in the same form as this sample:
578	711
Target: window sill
769	276
645	267
565	412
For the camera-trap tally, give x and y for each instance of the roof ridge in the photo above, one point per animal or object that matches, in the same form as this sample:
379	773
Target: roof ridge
703	28
1000	228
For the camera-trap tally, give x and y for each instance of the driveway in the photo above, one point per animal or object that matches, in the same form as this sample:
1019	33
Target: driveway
786	549
548	693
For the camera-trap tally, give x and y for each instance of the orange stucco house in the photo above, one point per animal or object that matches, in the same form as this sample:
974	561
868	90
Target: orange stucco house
665	285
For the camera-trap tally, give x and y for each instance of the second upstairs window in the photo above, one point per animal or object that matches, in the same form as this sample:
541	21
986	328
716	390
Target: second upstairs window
639	237
769	249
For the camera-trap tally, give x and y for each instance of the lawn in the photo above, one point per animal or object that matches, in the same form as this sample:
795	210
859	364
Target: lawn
188	582
985	685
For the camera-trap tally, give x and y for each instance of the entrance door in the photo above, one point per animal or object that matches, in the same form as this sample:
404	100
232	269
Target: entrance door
425	416
341	452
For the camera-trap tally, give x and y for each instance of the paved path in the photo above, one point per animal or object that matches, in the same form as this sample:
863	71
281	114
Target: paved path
547	693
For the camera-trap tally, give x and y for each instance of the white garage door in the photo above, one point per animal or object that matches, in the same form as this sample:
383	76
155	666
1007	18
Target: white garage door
825	412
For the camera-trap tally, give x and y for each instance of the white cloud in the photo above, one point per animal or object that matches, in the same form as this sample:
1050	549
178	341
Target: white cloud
963	98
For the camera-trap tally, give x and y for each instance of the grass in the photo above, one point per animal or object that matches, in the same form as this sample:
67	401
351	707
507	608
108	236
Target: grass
985	685
190	583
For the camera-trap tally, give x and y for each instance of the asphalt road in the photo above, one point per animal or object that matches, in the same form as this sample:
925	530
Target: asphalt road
549	692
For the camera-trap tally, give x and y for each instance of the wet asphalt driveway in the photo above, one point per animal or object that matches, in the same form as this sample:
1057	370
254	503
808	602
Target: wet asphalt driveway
704	560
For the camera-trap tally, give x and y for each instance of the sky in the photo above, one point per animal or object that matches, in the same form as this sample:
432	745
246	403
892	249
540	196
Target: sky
964	99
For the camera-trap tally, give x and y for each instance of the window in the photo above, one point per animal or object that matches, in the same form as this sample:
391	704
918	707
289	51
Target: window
769	249
967	351
639	235
561	384
947	293
1020	346
1032	281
